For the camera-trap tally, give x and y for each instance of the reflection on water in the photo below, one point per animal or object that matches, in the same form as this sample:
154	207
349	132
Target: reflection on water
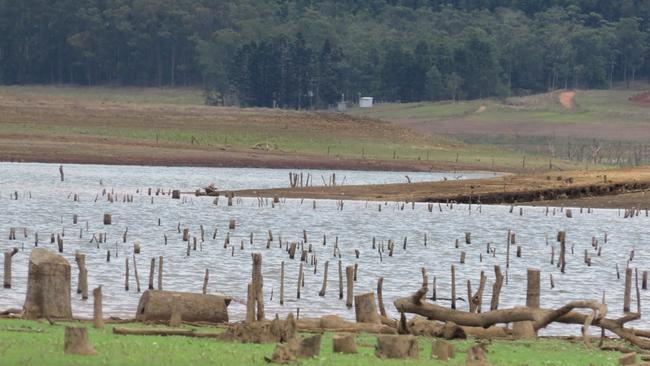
51	207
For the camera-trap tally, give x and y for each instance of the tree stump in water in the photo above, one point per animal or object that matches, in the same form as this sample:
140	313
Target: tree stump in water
76	342
397	346
365	309
48	286
7	266
344	343
108	219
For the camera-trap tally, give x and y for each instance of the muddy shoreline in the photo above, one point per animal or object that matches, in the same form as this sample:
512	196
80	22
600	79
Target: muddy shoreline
623	188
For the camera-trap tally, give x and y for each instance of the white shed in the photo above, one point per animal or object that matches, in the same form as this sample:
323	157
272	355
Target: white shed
365	102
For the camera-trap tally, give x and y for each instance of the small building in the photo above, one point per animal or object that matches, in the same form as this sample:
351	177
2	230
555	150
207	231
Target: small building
365	102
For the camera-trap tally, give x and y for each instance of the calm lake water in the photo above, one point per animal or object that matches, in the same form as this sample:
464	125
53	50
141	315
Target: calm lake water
45	205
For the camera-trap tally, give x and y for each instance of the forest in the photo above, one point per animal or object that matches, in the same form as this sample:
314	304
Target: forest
310	54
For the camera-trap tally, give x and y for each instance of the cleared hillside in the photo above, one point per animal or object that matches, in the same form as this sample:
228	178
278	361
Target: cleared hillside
158	127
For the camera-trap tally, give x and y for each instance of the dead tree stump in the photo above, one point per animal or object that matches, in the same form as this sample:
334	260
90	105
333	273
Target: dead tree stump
48	286
309	347
349	276
628	287
344	343
442	350
160	273
397	346
151	273
76	342
324	288
82	279
98	315
7	266
365	309
258	284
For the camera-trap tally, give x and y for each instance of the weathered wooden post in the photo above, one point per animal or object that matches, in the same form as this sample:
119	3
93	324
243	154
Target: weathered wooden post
453	286
108	219
282	283
340	280
533	288
258	284
205	281
628	287
160	273
380	299
324	288
126	277
82	279
98	317
135	272
7	266
349	275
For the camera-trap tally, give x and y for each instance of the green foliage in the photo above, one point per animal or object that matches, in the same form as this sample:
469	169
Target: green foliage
306	54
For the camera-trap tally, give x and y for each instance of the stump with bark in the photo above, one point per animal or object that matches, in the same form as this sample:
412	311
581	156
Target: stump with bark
344	343
442	350
397	346
76	342
157	305
48	286
365	309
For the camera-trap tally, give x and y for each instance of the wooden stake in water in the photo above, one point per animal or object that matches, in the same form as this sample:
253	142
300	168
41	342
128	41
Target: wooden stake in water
324	288
98	317
160	273
205	281
8	254
282	283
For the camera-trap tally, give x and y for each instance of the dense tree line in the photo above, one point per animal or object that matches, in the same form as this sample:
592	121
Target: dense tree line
307	53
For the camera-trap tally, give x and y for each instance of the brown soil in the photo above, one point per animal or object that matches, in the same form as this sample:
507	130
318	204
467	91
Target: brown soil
641	98
594	130
49	120
94	150
522	188
567	99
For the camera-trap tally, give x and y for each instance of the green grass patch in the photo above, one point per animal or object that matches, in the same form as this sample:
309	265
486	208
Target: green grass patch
181	96
44	346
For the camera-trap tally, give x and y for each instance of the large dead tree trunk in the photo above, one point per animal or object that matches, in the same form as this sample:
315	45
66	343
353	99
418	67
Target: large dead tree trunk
540	317
48	286
157	305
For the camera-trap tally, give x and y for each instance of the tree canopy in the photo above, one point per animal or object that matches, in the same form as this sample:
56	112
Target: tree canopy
310	54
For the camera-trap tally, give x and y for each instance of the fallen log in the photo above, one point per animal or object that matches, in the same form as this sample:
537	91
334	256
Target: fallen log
157	305
333	323
165	332
540	317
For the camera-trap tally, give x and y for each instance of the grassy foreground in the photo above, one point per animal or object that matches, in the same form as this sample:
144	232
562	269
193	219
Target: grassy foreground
40	343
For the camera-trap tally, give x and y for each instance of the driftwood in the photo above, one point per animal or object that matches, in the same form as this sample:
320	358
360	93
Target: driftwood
163	332
333	323
540	318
